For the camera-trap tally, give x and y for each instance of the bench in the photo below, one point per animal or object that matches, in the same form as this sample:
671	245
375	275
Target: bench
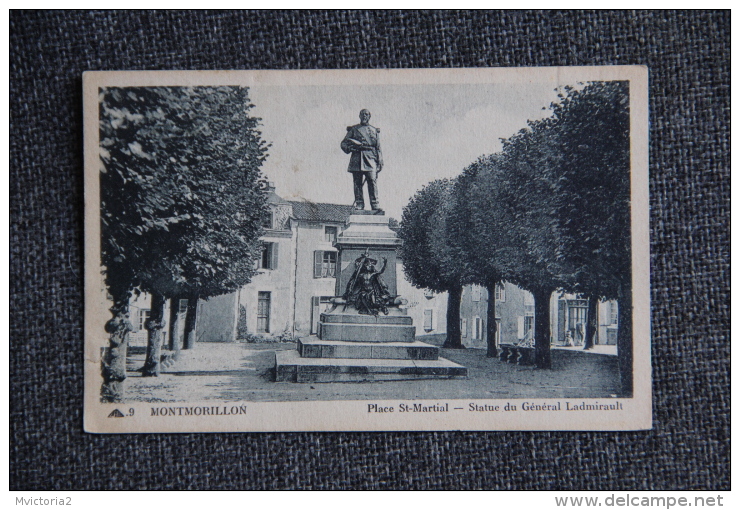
518	354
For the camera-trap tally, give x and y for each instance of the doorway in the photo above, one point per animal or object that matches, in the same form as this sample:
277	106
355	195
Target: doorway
263	312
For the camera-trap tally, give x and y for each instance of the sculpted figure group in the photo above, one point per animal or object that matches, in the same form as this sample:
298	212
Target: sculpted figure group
366	290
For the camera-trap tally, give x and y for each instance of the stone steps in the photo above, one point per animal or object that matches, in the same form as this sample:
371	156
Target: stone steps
291	367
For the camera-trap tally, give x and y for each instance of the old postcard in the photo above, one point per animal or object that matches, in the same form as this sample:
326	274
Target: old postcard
447	249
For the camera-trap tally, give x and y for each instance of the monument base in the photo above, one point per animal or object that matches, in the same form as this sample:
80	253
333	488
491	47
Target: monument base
313	347
353	346
353	327
290	366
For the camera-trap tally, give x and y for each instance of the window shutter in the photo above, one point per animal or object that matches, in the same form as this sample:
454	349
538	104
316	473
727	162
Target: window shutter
315	311
520	327
464	327
501	294
614	313
318	256
427	320
274	257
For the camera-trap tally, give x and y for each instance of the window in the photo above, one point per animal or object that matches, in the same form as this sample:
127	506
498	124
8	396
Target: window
577	312
182	306
428	317
263	312
475	293
324	264
330	234
143	316
477	328
613	313
269	256
576	316
528	324
500	293
464	327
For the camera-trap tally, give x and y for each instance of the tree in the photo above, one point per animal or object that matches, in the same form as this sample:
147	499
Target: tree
591	126
591	322
513	216
428	254
181	205
564	186
481	252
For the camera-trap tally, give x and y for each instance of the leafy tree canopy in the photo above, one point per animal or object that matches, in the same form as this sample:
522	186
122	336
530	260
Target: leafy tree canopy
552	209
181	205
428	252
593	185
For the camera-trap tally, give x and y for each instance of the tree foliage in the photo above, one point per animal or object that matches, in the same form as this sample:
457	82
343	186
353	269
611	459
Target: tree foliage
427	264
479	246
592	185
180	198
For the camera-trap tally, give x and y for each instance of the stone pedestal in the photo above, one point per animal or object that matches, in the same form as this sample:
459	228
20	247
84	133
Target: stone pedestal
371	234
349	326
354	347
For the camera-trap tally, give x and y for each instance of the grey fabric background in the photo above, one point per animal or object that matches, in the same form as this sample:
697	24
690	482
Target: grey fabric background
689	58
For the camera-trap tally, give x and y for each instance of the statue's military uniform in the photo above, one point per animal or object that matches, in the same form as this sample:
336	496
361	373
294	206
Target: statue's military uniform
366	160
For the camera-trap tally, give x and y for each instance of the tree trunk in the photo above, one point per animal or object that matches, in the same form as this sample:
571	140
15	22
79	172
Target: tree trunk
114	363
492	326
191	316
624	339
454	337
154	325
591	323
542	328
174	343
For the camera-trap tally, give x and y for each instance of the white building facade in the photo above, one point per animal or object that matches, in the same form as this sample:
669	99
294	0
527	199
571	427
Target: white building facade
297	278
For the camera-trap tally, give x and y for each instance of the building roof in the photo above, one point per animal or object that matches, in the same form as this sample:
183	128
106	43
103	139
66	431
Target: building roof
270	195
316	211
274	198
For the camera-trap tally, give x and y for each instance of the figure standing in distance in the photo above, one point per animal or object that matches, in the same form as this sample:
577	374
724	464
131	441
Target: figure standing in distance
366	161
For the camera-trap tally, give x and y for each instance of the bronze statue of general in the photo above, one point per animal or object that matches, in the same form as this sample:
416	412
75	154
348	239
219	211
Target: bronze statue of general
366	161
